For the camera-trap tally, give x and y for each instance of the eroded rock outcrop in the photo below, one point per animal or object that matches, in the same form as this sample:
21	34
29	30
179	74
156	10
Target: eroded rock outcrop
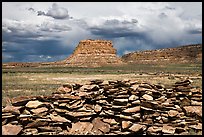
182	54
94	53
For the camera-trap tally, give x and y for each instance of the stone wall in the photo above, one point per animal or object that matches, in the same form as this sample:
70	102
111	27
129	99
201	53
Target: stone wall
94	53
182	54
107	108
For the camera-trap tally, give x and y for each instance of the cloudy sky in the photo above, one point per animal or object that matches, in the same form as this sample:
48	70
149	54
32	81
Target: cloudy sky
48	31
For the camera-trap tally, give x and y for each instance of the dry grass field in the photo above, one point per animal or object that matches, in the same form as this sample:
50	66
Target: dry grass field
45	80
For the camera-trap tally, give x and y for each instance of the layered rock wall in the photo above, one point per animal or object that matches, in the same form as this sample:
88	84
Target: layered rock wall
108	108
94	53
183	54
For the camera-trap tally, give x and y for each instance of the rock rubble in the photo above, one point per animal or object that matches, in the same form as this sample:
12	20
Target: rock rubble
107	108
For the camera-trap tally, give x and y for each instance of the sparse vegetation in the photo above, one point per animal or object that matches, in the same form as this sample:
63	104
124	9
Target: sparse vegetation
44	80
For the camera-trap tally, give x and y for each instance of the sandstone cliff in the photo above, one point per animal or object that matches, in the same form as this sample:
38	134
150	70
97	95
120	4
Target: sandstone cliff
182	54
93	53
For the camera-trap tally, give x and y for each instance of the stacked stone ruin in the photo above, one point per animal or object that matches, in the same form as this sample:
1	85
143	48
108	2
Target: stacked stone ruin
94	53
107	108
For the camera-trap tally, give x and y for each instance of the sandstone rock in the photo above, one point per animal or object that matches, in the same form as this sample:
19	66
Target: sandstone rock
147	97
39	110
99	125
118	109
197	127
80	114
120	101
137	127
110	121
81	128
96	81
125	117
173	113
134	87
93	53
11	129
59	119
48	128
165	119
34	104
185	102
30	131
196	103
161	99
132	110
154	129
136	116
25	116
66	88
97	108
12	109
191	110
145	85
126	124
7	115
21	100
36	123
133	98
136	102
168	129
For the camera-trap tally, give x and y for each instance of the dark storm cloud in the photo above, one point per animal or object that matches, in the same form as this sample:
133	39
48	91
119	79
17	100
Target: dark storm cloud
26	50
38	42
129	37
194	31
115	32
55	12
115	28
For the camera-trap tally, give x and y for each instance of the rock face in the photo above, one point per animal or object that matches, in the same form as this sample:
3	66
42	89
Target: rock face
182	54
93	53
113	108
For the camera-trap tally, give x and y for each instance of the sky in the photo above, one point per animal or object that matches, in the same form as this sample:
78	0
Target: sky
50	31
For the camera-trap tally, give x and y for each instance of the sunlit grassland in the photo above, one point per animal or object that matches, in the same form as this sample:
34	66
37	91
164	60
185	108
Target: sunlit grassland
44	80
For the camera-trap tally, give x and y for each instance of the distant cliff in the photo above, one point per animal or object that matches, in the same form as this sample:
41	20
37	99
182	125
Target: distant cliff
182	54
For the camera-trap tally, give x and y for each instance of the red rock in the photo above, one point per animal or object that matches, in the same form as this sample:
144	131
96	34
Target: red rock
154	129
11	109
34	104
147	97
37	123
132	110
100	125
97	108
21	100
126	124
168	129
173	113
191	110
93	53
110	121
137	127
59	119
11	129
39	110
81	128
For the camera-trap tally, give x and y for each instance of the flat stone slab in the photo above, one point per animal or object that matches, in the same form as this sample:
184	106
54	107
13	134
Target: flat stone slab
10	129
34	104
81	128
